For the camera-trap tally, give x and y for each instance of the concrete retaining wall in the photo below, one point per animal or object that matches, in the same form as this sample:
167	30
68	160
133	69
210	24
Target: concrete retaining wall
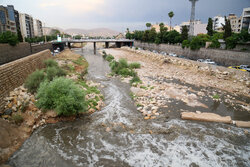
223	57
14	74
10	53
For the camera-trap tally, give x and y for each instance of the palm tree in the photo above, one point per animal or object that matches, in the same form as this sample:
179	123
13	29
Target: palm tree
148	25
170	15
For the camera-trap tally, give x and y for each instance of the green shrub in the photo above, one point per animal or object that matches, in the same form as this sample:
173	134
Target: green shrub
134	65
123	63
33	81
124	72
104	54
63	95
9	37
185	44
135	79
50	63
53	72
109	58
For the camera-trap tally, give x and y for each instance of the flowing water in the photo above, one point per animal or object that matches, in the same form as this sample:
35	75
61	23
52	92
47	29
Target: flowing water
119	136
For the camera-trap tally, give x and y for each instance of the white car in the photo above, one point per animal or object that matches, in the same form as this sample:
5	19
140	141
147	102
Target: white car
173	54
209	61
245	67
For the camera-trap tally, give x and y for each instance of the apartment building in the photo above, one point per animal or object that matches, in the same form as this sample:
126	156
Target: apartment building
7	19
26	25
235	23
245	21
199	27
38	28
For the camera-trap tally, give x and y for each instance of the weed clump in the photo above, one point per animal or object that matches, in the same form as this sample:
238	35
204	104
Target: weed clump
50	63
33	81
63	95
109	58
53	72
134	65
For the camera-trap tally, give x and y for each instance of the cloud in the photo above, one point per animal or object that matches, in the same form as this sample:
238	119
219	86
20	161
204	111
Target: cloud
75	6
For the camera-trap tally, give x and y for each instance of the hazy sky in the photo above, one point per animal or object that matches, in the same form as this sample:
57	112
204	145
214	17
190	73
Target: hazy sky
120	14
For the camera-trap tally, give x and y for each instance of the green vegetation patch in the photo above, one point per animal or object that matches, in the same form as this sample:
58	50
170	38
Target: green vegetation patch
33	81
63	95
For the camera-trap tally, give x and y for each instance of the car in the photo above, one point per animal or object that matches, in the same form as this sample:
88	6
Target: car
56	51
237	68
200	60
209	61
173	54
245	67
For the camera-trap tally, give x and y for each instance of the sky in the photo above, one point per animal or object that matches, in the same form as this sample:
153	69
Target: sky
121	14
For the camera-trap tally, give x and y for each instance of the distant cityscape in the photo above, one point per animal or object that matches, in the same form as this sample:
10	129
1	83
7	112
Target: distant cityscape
237	23
14	21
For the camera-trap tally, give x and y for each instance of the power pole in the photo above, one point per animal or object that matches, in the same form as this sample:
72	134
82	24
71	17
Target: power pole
192	18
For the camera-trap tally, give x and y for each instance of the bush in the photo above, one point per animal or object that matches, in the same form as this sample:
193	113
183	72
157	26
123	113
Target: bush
63	95
135	79
196	43
109	58
53	72
50	63
134	65
123	63
185	44
9	37
33	81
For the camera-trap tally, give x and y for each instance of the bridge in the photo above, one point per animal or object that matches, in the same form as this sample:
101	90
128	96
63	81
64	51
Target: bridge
118	42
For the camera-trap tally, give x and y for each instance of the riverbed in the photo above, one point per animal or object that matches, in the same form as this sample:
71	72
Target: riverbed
118	135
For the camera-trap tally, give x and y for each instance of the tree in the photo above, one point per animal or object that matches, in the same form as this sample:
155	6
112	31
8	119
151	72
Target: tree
227	29
170	15
128	34
148	25
210	27
9	37
184	33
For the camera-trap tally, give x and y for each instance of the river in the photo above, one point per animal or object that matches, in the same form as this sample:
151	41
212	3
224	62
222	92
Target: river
119	136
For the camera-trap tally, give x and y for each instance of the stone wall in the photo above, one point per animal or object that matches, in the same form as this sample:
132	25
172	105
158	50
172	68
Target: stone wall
10	53
14	74
222	57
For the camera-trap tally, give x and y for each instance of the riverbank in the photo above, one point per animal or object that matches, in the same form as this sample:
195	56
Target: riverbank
173	85
22	117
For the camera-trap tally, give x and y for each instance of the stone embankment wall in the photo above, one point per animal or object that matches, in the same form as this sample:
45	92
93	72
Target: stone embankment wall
223	57
14	74
10	53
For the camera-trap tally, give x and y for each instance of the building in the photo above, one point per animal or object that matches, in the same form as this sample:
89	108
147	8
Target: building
11	18
17	21
157	27
218	22
199	27
245	21
235	23
7	19
26	25
3	19
38	28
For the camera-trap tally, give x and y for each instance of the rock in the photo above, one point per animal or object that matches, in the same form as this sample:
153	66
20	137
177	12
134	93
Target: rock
153	117
91	110
198	112
51	114
108	129
207	117
146	118
8	112
139	108
157	114
14	108
225	73
243	124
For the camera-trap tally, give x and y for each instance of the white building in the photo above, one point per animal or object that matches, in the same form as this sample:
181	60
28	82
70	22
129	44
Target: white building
199	27
218	22
235	23
38	28
245	22
26	25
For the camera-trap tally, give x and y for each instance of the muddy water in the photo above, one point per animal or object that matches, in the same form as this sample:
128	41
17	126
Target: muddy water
119	136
